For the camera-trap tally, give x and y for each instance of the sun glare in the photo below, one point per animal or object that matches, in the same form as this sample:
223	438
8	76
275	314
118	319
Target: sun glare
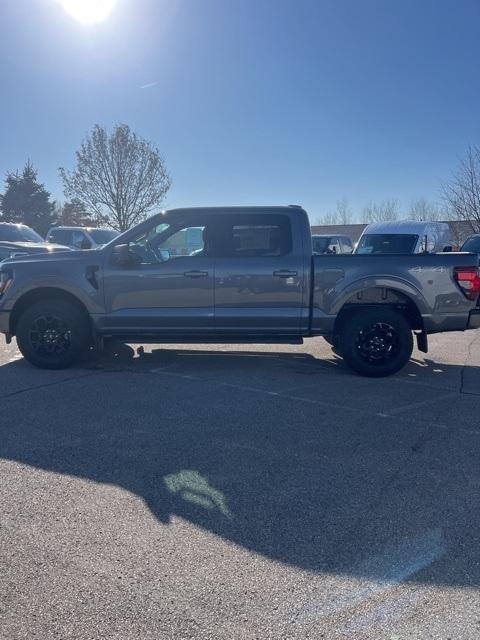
88	11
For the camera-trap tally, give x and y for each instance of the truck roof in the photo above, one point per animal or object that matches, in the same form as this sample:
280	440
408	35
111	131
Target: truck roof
403	226
238	209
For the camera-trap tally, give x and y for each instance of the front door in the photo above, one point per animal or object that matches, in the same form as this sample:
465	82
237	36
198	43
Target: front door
168	286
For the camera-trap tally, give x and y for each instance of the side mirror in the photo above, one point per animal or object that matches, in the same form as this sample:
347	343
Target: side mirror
124	257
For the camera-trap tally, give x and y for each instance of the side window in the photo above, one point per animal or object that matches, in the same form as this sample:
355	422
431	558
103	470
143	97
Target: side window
346	245
172	239
334	246
78	237
188	241
58	236
254	236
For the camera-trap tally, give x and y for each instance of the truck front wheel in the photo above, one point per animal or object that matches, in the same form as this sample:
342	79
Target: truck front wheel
376	342
52	334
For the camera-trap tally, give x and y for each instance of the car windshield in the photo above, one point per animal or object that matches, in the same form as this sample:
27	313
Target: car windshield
102	236
472	245
320	244
387	243
18	233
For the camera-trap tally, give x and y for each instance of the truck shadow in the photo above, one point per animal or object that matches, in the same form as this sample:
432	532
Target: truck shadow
384	499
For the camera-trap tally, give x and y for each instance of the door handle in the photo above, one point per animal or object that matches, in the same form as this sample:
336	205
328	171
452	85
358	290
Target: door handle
284	273
195	274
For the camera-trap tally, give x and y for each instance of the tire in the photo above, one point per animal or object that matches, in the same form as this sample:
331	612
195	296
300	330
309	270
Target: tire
53	334
376	342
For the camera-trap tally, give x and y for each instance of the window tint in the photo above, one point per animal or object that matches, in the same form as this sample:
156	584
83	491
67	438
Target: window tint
320	245
334	246
60	236
387	243
78	237
102	236
472	245
254	236
172	239
184	242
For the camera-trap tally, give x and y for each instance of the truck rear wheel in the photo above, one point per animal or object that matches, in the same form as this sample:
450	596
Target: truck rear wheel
52	334
376	342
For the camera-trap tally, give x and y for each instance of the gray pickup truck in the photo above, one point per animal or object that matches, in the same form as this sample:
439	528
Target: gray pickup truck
234	275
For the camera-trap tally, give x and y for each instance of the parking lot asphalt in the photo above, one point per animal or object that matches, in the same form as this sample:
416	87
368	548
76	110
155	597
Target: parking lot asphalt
241	492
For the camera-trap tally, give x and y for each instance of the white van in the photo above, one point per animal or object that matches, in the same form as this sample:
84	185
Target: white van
405	236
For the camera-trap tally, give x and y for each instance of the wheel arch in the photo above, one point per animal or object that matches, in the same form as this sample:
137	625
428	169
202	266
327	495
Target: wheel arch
41	294
381	297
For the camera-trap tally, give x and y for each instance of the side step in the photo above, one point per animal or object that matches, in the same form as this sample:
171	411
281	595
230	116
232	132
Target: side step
146	339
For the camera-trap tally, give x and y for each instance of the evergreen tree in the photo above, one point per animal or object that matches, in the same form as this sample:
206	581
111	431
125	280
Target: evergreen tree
27	201
74	214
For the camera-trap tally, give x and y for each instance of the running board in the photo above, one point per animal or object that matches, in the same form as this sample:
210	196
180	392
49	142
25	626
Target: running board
146	339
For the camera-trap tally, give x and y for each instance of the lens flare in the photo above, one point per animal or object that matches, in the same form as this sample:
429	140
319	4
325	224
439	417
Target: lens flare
88	11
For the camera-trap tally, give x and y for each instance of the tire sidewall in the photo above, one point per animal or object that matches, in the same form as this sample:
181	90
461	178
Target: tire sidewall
74	319
365	318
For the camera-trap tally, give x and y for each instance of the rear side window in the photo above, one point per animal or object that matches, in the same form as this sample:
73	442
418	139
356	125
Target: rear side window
59	236
346	245
254	236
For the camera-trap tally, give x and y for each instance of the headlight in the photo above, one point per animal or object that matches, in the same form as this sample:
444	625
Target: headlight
6	277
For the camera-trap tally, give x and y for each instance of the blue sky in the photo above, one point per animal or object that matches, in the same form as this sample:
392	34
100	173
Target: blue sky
251	101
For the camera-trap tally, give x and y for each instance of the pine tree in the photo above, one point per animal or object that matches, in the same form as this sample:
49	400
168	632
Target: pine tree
74	214
27	201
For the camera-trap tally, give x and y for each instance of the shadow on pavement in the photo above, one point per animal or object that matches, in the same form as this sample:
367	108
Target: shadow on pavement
382	499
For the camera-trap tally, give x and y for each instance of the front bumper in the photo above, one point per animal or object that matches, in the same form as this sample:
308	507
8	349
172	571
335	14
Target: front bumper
474	319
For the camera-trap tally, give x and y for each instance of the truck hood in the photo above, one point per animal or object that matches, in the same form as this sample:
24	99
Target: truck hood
33	247
57	255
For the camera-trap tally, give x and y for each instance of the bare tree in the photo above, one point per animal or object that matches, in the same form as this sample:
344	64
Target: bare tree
119	177
422	209
462	192
341	215
381	211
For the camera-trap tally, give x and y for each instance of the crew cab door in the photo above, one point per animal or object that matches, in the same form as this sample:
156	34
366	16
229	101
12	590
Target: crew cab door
168	286
259	275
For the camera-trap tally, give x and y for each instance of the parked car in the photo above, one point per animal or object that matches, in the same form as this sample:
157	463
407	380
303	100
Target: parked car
405	236
254	279
323	243
81	237
18	239
472	244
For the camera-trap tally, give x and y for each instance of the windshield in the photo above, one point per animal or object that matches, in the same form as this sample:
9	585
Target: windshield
18	233
387	243
102	236
472	244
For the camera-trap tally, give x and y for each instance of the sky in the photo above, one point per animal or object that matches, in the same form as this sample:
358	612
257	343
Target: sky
251	101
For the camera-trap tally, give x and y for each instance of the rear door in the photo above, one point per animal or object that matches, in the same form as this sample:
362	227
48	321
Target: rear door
259	274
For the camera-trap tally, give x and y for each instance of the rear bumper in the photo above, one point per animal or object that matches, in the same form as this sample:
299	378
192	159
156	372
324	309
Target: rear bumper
474	319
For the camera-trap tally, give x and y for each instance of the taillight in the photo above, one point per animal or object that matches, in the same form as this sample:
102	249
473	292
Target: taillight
468	279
